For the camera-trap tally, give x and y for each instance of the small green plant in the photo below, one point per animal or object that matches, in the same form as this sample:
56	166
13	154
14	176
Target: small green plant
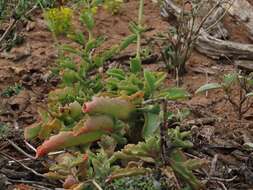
137	29
12	90
144	182
240	102
113	6
59	20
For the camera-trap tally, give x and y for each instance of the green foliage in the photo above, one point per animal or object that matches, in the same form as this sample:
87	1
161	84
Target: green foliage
12	90
183	168
101	167
149	150
145	182
150	83
18	8
94	114
59	20
152	121
113	6
209	86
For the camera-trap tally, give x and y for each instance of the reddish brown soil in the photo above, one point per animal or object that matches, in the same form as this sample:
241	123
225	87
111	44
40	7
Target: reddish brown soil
32	70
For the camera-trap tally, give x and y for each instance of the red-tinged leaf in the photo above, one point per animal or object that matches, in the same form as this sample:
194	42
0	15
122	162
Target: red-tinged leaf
116	107
94	123
67	139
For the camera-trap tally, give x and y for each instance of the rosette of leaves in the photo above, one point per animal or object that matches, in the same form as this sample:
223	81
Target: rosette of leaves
148	152
151	84
103	116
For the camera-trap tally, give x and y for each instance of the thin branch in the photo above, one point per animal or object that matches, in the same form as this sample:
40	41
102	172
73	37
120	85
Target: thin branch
30	146
34	183
222	179
221	17
20	149
13	22
26	167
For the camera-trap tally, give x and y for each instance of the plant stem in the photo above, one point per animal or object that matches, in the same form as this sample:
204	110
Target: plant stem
140	18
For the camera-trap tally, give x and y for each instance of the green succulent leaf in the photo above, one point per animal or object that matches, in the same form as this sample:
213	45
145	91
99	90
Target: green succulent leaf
135	65
67	139
150	80
207	87
161	76
119	108
127	172
175	94
32	131
151	125
127	41
146	151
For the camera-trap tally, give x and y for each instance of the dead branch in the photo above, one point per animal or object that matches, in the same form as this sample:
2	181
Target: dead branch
211	45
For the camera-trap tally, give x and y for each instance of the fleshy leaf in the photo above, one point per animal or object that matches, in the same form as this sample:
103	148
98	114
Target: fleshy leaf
152	122
209	86
178	138
94	123
127	41
116	73
75	110
32	131
135	65
150	81
175	94
66	139
147	151
116	107
127	172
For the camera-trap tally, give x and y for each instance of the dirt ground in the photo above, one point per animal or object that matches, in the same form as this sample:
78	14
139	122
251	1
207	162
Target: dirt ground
30	63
